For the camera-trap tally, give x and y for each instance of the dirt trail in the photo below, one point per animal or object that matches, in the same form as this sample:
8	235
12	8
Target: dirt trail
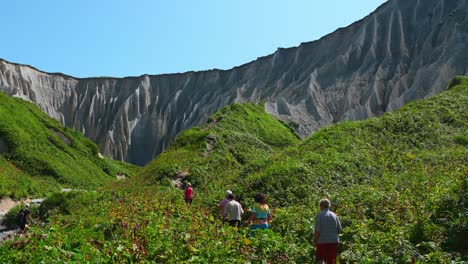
178	180
7	235
210	146
6	204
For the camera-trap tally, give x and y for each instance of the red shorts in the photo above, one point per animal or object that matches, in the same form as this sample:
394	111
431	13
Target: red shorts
326	252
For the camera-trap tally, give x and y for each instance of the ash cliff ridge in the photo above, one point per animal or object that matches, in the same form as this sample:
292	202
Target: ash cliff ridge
405	50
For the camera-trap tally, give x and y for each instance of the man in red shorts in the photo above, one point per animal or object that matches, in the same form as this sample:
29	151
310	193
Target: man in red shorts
327	230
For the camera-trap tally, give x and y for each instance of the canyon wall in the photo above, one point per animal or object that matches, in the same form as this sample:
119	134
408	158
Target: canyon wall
405	50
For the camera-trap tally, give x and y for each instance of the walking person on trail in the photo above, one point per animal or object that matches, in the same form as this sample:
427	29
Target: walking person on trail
261	214
188	194
233	211
326	236
22	217
223	203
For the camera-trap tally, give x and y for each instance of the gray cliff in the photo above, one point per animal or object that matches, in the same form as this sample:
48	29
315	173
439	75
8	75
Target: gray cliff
405	50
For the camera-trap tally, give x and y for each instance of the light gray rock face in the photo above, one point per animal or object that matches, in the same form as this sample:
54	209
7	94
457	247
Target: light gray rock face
405	50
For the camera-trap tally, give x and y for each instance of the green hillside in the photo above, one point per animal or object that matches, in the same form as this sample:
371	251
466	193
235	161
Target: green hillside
38	156
399	184
235	139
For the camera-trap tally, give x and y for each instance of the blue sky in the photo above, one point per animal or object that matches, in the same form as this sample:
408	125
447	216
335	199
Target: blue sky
86	38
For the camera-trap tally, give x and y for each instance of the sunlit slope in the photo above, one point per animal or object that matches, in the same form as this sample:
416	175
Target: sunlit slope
237	138
398	183
250	150
37	154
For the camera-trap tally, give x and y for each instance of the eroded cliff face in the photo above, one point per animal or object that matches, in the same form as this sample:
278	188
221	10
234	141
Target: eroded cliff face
404	51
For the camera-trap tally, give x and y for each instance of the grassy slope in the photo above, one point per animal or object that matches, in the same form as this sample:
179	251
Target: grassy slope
398	183
245	138
39	160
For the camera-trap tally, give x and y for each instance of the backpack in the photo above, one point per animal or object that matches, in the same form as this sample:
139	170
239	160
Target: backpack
20	216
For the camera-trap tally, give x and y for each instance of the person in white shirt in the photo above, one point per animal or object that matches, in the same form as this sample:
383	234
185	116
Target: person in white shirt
233	211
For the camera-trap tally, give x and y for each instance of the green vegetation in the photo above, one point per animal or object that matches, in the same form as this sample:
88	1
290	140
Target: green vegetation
398	182
241	137
38	156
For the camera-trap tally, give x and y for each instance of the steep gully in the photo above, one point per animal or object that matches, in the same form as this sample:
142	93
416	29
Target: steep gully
403	51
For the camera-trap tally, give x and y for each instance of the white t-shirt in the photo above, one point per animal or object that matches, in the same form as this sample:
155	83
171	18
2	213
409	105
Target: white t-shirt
233	210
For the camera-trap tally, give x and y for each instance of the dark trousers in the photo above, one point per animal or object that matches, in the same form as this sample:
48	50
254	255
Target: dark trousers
326	252
23	222
235	223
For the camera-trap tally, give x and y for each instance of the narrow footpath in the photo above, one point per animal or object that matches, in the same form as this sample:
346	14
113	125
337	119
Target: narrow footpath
6	205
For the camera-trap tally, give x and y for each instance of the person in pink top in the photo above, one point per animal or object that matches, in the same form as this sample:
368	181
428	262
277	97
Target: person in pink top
188	193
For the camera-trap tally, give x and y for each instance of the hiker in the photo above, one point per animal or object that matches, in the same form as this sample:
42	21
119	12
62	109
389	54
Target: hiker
188	194
327	229
223	203
233	211
261	215
22	217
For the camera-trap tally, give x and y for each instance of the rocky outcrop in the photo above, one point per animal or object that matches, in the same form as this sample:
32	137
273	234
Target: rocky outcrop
403	51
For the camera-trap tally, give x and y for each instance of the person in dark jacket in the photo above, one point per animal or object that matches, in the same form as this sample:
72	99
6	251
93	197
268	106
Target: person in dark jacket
23	217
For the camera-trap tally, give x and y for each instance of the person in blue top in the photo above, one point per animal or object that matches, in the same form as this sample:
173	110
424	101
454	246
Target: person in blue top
260	217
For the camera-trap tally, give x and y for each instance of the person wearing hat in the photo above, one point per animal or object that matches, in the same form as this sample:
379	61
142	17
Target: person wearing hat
188	193
233	211
223	203
23	217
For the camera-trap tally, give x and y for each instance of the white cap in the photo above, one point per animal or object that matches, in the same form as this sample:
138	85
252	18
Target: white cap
228	192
